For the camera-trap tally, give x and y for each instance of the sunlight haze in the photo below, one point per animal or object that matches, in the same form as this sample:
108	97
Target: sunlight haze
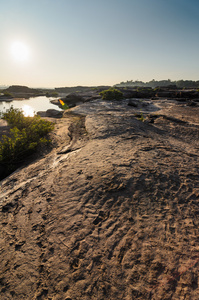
51	43
20	51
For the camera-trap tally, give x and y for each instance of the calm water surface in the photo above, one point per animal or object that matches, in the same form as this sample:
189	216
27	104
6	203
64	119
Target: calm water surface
30	106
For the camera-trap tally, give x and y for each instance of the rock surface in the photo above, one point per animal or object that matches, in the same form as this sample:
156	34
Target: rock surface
111	212
54	113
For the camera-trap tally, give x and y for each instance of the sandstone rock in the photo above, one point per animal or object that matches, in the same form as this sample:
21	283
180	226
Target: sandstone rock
41	113
53	113
121	194
73	98
55	102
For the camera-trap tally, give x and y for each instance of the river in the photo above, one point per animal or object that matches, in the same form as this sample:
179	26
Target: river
30	106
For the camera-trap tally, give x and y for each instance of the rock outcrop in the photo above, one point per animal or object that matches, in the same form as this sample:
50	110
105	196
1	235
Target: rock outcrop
111	212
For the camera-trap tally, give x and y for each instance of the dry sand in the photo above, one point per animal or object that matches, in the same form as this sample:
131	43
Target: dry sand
110	213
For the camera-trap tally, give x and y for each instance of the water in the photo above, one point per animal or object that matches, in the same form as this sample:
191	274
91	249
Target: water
30	106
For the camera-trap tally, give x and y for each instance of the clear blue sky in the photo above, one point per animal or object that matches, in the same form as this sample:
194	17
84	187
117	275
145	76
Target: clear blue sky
95	42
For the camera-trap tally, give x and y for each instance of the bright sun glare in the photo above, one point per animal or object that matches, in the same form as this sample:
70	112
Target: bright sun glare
28	111
20	51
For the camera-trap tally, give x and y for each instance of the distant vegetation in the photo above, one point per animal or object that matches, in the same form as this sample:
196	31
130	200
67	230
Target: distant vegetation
155	83
26	134
52	94
80	89
111	94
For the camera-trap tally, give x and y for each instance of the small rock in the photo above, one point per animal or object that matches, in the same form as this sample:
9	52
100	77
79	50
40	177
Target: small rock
133	103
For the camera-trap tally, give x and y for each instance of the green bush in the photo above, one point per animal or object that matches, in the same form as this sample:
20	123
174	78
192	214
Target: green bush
111	94
140	117
26	134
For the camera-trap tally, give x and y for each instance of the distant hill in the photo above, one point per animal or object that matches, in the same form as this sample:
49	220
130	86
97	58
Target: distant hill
77	89
20	91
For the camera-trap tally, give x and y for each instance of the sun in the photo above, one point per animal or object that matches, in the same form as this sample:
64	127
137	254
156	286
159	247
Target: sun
28	111
20	51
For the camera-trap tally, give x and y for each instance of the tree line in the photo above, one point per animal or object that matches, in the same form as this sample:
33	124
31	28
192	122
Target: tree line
155	83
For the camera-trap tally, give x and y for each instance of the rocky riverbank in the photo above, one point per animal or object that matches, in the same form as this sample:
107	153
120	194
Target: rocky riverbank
111	212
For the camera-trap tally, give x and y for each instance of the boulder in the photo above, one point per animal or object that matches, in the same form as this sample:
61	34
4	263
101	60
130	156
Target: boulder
41	113
70	105
73	98
55	102
53	113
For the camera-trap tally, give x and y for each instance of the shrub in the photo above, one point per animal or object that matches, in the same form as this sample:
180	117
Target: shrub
26	134
111	94
140	117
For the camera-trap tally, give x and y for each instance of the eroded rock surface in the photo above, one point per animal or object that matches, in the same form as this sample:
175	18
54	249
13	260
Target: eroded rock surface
110	213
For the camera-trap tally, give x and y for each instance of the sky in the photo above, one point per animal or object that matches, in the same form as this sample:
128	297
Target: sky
57	43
